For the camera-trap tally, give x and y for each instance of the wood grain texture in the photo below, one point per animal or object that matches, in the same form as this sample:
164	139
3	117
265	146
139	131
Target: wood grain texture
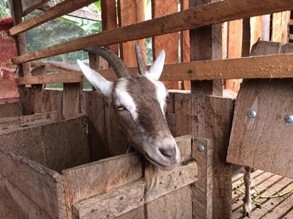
111	204
10	109
209	117
18	121
263	142
97	177
271	66
131	12
202	193
188	19
32	189
71	100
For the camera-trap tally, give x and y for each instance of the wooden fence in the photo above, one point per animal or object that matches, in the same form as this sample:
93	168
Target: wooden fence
196	42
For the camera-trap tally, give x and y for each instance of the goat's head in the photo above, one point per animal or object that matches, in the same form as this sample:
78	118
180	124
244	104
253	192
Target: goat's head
140	106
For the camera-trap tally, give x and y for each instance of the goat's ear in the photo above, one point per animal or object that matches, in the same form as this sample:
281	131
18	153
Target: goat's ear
156	68
101	84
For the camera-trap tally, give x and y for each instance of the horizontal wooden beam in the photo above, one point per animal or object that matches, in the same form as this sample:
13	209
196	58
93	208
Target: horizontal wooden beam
61	9
272	66
195	17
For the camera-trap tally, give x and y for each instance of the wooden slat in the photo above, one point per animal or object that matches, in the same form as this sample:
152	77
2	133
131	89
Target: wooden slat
32	183
273	66
71	100
18	121
202	192
98	177
188	19
63	8
111	204
263	142
168	42
131	12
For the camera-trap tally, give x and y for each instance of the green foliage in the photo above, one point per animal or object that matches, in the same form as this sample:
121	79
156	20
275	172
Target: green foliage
4	9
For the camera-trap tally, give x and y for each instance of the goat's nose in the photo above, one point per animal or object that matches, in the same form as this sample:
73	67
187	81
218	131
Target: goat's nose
168	152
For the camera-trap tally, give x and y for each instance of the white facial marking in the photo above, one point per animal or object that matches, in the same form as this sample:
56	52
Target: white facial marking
124	99
161	91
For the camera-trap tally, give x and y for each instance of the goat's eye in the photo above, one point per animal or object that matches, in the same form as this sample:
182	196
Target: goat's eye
120	108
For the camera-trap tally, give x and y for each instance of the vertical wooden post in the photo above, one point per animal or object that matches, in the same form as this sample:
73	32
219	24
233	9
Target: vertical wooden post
205	44
202	193
24	69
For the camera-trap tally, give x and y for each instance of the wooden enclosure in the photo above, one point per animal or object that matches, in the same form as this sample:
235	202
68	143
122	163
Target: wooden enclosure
61	147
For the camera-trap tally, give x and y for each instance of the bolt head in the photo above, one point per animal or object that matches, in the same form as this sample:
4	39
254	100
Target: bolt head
289	118
201	148
251	114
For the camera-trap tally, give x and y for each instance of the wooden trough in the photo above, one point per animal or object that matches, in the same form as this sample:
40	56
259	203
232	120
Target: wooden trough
46	172
62	154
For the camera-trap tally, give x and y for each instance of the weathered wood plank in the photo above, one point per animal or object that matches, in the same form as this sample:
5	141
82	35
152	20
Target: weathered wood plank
132	12
168	42
111	204
41	186
97	177
202	191
272	66
69	146
263	141
62	8
13	122
10	109
177	204
188	19
71	100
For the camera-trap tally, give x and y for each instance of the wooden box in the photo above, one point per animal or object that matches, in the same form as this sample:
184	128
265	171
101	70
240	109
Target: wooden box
46	172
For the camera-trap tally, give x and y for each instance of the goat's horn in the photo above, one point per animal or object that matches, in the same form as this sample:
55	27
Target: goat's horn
140	61
114	61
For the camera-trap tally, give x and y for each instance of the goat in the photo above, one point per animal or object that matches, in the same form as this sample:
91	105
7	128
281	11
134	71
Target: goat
140	105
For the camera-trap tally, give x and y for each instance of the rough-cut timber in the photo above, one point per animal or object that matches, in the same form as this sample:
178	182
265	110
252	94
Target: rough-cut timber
263	142
188	19
272	66
30	5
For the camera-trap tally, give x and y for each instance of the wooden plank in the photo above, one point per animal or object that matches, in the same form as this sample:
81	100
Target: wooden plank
272	66
70	140
160	183
234	49
42	186
97	177
26	142
30	5
111	204
71	100
91	103
109	19
131	12
202	192
168	42
177	204
209	14
280	26
201	115
13	122
62	8
206	44
263	142
10	109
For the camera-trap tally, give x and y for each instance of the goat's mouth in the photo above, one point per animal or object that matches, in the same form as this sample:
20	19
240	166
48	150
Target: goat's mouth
165	167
